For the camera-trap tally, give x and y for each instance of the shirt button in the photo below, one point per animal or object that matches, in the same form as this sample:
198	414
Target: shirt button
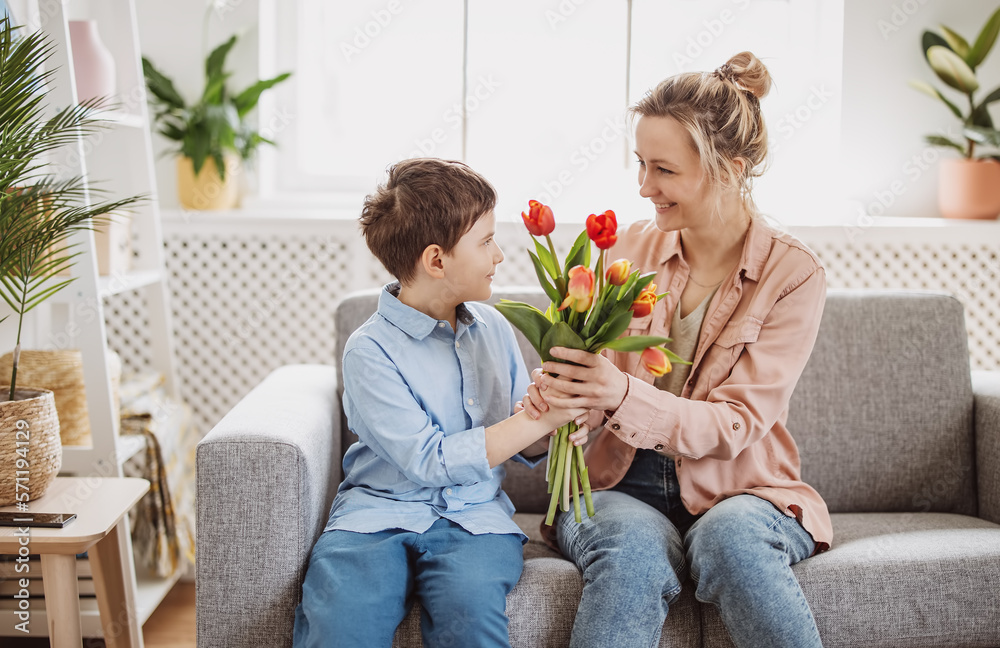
458	344
448	491
440	324
658	446
736	425
615	426
471	402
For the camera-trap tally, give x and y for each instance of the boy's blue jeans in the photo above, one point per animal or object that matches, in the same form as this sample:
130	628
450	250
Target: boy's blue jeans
642	543
358	587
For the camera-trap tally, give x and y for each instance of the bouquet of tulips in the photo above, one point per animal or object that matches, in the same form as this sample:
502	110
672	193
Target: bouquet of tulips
590	310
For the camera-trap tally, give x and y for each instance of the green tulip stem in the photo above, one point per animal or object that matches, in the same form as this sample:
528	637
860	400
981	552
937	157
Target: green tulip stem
600	272
576	491
585	480
552	249
567	473
557	482
551	466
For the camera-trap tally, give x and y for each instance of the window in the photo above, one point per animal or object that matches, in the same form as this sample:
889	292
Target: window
545	89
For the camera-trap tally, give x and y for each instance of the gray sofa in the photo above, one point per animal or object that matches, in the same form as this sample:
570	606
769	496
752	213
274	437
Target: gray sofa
896	434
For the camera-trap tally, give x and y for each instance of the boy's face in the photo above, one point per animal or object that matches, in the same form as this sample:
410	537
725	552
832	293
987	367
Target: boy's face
471	263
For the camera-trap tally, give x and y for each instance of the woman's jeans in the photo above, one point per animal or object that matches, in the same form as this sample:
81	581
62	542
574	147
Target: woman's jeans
359	586
642	543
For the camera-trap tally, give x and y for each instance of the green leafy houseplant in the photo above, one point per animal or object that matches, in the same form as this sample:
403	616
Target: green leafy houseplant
214	124
39	212
954	60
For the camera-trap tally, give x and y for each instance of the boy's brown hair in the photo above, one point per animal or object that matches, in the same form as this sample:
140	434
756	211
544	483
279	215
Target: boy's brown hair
425	201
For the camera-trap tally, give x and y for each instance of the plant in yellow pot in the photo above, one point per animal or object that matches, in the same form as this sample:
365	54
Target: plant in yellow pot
214	134
38	214
968	187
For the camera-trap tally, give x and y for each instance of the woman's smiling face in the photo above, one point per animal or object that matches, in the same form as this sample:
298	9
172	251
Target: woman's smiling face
671	174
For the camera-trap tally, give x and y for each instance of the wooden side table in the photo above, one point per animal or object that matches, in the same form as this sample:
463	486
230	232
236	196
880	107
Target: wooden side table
101	529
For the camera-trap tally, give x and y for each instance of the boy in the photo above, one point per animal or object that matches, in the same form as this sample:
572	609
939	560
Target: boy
430	382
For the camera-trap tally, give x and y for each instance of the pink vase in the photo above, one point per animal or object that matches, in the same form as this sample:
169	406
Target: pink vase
93	65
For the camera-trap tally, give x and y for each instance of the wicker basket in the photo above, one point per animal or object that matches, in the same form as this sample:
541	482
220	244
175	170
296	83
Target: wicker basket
62	372
30	450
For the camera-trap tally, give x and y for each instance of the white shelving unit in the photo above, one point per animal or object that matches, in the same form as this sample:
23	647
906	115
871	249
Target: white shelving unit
120	160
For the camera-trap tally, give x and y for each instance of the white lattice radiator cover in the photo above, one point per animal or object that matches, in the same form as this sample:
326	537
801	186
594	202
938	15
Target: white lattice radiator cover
250	294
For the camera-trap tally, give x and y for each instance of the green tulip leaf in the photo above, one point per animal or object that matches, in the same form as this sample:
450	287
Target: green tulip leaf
612	329
984	42
579	254
545	256
527	319
550	290
634	343
952	69
560	334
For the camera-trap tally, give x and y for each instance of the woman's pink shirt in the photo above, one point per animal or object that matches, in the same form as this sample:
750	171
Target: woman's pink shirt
727	431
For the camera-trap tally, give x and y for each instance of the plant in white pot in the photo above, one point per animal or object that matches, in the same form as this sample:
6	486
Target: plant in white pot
214	133
968	187
39	212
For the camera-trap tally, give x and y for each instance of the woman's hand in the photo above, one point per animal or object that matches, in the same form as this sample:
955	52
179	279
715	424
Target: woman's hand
591	382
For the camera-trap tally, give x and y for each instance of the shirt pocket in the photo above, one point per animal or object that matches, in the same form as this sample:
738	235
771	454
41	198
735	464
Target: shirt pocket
727	348
739	332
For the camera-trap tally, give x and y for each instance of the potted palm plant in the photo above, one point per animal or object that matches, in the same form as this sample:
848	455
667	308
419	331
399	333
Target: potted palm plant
39	212
214	134
969	186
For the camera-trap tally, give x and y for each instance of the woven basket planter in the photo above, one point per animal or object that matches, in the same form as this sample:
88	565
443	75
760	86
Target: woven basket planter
62	372
30	449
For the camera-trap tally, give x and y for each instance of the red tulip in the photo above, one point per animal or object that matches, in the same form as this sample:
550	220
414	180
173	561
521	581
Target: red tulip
602	228
618	272
656	362
539	219
580	291
643	304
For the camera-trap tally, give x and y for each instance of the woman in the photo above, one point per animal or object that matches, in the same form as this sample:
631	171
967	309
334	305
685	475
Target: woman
698	472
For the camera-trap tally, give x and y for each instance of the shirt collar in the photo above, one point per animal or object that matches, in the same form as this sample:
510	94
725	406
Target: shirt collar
755	249
409	320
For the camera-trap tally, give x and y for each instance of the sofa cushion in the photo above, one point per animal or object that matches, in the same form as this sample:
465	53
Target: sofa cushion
883	413
900	579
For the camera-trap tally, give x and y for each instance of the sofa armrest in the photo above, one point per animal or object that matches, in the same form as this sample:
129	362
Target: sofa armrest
986	387
266	476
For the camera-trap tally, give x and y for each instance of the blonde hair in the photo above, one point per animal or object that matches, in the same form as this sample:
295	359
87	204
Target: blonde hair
721	112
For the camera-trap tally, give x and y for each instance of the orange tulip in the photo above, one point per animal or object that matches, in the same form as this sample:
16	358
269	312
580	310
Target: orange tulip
656	362
538	219
643	304
580	290
618	272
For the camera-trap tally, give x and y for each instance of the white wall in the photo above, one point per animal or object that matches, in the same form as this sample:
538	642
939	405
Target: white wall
886	166
886	163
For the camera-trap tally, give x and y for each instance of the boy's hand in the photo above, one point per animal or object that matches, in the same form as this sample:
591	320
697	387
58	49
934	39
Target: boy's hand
580	437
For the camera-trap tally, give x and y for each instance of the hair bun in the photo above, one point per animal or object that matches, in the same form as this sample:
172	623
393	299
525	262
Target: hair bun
747	71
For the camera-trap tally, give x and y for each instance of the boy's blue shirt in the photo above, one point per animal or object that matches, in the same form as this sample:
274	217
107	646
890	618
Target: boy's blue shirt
420	397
